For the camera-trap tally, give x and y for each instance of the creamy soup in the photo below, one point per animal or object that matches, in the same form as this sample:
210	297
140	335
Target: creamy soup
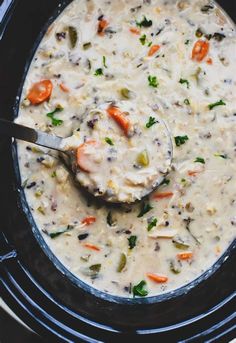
173	60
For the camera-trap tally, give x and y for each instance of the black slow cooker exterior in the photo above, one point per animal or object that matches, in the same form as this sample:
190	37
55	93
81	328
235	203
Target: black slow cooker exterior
45	297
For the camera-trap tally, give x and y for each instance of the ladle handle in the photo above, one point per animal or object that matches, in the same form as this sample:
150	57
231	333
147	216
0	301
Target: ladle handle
10	129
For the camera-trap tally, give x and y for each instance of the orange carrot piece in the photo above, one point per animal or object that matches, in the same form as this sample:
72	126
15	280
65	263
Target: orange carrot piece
209	61
92	247
163	195
135	31
116	114
64	88
40	92
193	172
157	278
153	50
89	220
184	256
200	50
102	25
81	157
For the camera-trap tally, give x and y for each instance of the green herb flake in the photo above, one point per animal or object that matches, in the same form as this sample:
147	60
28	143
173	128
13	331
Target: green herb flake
200	160
187	42
145	208
104	61
218	103
109	141
87	46
207	8
54	174
122	263
144	22
73	35
98	72
184	81
132	242
153	81
143	39
95	268
180	140
165	182
55	121
56	234
186	102
152	121
224	156
140	289
152	224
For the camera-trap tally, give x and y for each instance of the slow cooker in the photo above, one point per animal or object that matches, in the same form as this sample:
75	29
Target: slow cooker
37	287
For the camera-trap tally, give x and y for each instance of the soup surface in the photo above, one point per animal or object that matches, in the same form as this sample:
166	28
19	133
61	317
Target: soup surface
178	59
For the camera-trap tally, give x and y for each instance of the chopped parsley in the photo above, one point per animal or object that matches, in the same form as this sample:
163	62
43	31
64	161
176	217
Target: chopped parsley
145	208
152	121
153	81
152	224
187	102
109	141
143	39
183	81
56	234
73	36
132	242
207	8
218	103
180	140
55	121
165	182
98	72
54	174
104	61
144	22
87	46
187	42
224	156
140	289
200	160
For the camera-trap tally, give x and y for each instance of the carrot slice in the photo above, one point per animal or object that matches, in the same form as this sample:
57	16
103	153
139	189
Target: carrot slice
157	278
64	88
102	25
92	247
83	161
40	92
200	50
116	114
153	50
184	256
193	172
89	220
209	61
163	195
135	31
